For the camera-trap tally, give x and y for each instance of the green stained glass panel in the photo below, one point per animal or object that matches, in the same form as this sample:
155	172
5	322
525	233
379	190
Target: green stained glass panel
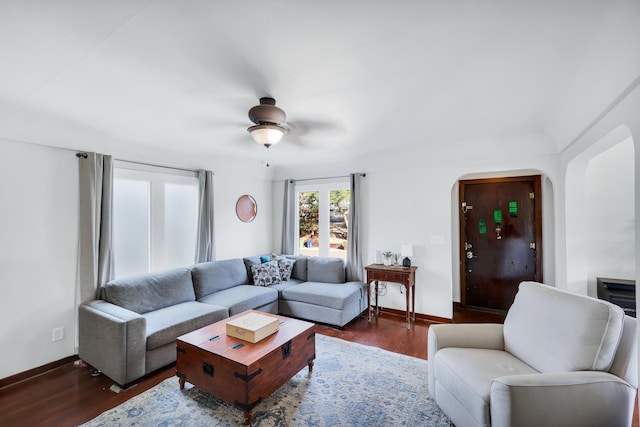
482	226
513	209
497	216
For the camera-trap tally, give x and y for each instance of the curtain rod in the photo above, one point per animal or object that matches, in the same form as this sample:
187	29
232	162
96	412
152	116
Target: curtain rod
84	156
326	177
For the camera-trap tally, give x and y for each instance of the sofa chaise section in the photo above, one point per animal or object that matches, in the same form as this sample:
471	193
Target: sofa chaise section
323	295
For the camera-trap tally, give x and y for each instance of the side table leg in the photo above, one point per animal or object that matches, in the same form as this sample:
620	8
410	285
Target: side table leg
311	367
408	315
181	382
413	302
247	417
369	299
377	293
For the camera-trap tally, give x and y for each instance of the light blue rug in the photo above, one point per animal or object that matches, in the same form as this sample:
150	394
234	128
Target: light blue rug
351	385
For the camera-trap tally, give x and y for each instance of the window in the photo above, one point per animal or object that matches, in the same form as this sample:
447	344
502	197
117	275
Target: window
155	218
323	224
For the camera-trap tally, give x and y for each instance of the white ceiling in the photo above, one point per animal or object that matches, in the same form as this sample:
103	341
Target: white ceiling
356	78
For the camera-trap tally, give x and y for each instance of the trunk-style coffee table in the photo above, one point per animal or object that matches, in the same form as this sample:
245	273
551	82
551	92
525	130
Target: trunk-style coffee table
239	372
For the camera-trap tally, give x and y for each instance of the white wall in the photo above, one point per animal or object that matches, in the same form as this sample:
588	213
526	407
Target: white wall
235	238
610	210
38	245
413	207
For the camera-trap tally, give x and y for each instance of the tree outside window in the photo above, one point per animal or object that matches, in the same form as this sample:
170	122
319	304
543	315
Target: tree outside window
323	219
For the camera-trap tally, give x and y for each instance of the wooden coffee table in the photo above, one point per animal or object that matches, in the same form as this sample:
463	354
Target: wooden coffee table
239	372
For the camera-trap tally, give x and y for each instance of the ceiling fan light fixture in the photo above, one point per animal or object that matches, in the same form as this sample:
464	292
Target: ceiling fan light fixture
267	130
267	134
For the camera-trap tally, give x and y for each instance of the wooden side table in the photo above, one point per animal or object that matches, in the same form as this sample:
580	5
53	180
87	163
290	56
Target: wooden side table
405	276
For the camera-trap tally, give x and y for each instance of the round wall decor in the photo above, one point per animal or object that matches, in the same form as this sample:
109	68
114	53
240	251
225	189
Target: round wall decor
246	208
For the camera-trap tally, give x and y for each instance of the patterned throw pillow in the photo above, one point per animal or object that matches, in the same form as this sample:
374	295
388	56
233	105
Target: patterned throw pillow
266	274
285	266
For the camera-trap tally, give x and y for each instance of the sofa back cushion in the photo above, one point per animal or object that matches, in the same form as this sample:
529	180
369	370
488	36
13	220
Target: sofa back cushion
557	331
299	271
214	276
150	292
325	269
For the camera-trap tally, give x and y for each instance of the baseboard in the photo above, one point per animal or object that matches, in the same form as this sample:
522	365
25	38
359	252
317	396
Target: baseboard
13	379
419	317
457	305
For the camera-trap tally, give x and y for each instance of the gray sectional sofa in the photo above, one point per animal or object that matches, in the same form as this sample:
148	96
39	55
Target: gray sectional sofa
131	330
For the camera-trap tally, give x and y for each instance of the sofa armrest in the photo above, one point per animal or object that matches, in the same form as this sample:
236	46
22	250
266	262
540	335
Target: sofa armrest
584	398
113	340
477	335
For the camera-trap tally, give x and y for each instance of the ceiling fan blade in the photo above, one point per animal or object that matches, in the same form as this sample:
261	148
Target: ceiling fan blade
306	127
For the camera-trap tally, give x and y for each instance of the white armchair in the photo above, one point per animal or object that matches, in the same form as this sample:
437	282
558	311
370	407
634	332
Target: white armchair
560	359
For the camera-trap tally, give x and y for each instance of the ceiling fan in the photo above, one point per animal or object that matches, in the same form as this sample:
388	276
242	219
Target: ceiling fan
268	119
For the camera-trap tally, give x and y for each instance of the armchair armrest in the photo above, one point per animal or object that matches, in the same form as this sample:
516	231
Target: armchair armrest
465	335
113	340
585	398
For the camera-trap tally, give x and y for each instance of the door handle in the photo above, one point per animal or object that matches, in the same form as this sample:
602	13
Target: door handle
471	255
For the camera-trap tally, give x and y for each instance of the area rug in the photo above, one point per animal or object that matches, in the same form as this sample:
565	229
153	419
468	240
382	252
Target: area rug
351	385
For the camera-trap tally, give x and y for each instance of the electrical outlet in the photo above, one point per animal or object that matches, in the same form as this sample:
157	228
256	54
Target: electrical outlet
58	334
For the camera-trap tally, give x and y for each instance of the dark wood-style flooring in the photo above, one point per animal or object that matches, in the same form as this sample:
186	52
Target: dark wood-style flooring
69	395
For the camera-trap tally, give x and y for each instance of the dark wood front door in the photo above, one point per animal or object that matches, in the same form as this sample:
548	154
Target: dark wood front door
500	239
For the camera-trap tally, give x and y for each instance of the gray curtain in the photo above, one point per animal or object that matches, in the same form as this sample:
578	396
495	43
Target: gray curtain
288	218
205	242
354	245
95	245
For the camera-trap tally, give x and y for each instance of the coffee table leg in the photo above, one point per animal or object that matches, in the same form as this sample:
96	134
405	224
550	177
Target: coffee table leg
181	382
247	417
310	367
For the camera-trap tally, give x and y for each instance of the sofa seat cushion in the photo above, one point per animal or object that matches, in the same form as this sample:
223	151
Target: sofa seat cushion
332	295
149	292
166	324
285	285
466	373
241	298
